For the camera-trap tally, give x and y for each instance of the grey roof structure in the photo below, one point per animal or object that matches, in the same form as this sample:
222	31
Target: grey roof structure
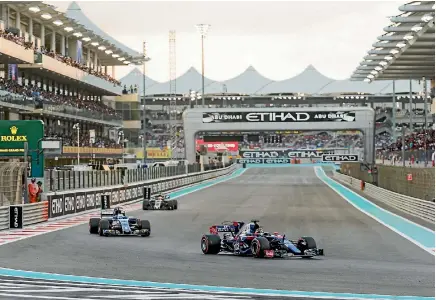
75	12
406	50
251	82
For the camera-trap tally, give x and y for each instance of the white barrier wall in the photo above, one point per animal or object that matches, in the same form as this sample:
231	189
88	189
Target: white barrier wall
413	206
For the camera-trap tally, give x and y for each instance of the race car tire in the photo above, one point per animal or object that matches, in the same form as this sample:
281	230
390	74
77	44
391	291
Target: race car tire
93	225
175	204
145	205
103	225
145	224
258	247
210	244
310	242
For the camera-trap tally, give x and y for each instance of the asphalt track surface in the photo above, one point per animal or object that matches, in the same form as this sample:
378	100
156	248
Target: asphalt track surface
362	256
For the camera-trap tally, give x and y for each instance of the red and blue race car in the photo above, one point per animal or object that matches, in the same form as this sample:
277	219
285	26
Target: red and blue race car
249	239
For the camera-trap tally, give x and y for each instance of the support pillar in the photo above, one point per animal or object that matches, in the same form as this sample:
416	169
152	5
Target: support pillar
18	22
53	41
30	29
63	45
42	36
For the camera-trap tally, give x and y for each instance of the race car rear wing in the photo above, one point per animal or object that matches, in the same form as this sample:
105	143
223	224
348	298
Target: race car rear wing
215	229
166	197
106	213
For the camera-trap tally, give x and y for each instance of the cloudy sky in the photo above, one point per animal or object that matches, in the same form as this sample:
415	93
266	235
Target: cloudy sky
279	39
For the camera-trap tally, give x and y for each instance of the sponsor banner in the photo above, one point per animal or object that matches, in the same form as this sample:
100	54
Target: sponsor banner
158	153
285	154
122	195
90	200
80	202
15	217
263	160
70	203
279	116
114	197
217	146
340	157
56	205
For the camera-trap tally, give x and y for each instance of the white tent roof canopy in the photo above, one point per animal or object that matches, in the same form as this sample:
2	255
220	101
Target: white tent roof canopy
406	50
114	53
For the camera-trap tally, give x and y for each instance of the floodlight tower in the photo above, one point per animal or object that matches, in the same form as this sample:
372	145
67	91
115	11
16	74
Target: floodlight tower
173	93
203	30
144	110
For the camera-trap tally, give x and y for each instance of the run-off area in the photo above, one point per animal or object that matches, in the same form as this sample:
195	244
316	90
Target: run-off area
362	256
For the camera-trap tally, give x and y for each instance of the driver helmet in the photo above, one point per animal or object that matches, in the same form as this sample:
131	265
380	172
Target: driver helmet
252	228
259	230
160	197
119	211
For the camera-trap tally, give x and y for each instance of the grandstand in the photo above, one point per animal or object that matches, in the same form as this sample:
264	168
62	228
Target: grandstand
310	88
60	68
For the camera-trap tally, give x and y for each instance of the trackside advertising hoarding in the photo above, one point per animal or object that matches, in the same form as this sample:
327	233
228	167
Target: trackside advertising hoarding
217	146
284	117
285	153
277	161
65	203
340	158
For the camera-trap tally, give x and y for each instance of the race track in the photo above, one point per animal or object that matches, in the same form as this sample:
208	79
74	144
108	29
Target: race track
362	256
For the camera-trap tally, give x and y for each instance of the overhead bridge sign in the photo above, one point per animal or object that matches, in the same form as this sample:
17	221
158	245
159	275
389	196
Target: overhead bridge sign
340	157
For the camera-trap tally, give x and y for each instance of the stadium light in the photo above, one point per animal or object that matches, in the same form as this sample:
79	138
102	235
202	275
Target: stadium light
115	55
401	45
86	39
383	63
34	9
102	48
394	51
126	62
95	44
416	28
374	72
427	18
378	68
121	59
108	51
370	76
58	23
77	34
46	16
367	80
408	37
68	29
389	58
202	29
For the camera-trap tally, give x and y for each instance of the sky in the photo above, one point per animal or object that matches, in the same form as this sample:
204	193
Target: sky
279	39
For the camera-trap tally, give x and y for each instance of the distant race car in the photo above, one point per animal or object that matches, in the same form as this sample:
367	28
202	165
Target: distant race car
116	223
249	239
159	202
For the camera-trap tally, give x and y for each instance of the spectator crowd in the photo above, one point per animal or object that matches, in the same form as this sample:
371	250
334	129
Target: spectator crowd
55	98
62	58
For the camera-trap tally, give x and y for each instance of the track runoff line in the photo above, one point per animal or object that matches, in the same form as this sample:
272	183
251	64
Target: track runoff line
11	236
415	233
202	288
